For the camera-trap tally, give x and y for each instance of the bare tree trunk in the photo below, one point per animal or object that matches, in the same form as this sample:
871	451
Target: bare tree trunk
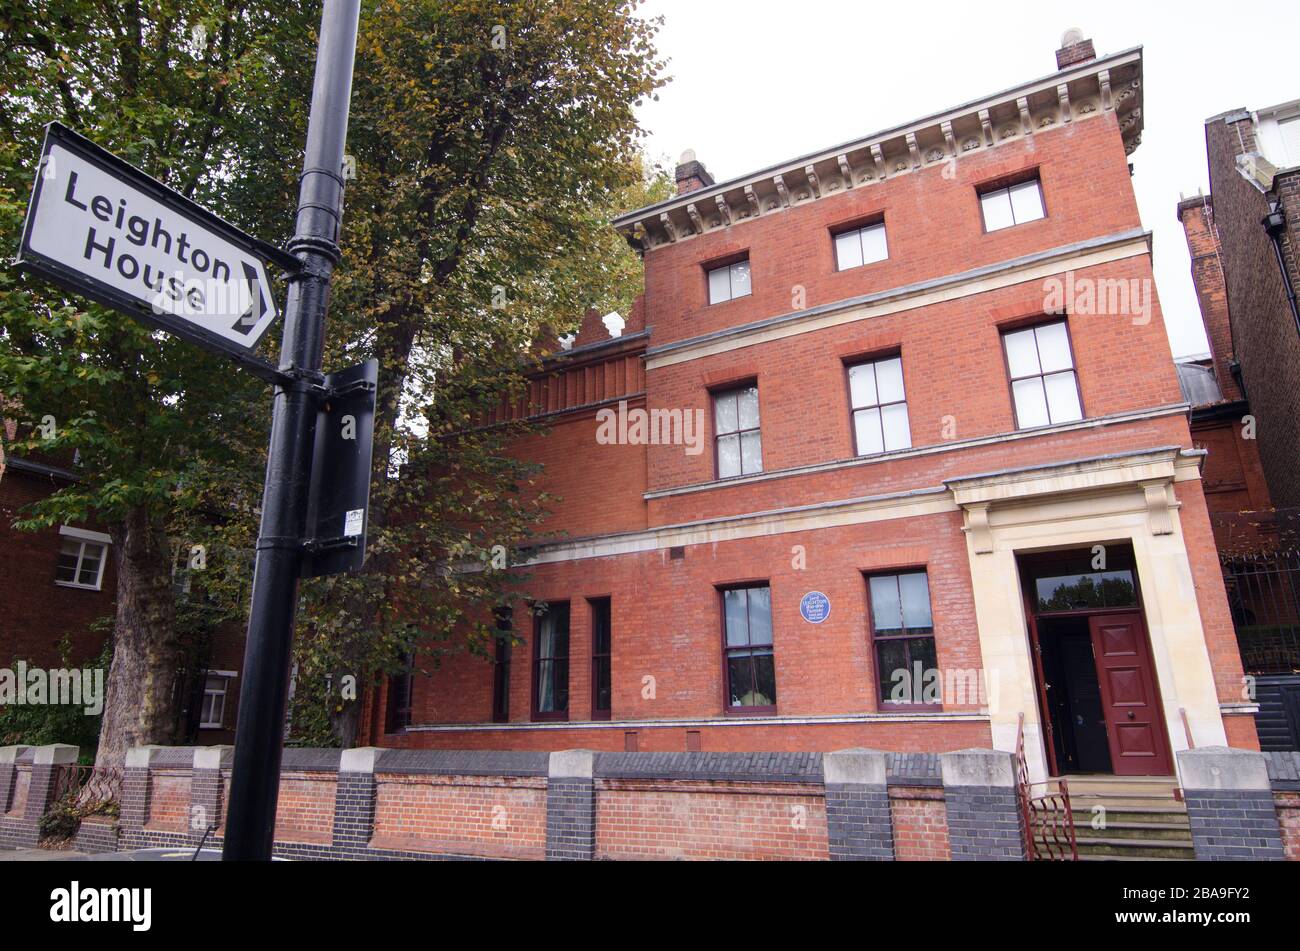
140	703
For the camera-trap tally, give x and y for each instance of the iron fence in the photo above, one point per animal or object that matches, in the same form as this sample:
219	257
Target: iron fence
1264	595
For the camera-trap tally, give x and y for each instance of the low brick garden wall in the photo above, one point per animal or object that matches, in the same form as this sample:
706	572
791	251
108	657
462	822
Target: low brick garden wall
437	804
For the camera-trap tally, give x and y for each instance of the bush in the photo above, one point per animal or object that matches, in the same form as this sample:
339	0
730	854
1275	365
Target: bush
63	818
43	724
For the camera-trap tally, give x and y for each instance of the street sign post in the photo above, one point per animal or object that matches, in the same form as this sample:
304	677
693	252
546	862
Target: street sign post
102	228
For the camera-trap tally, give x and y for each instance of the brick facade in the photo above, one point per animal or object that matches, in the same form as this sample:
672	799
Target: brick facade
42	616
652	528
1265	337
39	613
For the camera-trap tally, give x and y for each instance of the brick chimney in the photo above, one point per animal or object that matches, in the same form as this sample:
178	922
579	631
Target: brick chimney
1197	218
1074	49
691	174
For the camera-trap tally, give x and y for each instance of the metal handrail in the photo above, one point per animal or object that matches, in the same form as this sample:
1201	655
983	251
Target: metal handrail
1051	813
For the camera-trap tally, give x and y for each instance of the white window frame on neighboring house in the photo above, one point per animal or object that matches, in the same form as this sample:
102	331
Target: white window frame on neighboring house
83	539
225	677
1277	133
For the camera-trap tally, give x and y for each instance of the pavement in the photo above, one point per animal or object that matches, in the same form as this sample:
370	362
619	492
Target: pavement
138	855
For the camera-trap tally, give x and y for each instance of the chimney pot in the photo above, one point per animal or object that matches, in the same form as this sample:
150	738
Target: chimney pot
1074	49
691	174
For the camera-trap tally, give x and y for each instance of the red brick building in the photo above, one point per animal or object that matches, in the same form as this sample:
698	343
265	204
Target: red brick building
58	600
56	582
891	446
1254	165
1243	393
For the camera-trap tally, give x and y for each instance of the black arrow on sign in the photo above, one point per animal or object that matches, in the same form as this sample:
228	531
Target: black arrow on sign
257	308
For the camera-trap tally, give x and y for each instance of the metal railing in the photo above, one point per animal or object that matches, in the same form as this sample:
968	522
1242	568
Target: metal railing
1264	594
88	787
1047	819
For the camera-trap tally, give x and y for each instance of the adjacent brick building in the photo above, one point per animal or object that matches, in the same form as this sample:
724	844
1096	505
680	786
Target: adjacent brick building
1243	394
58	599
891	446
1254	164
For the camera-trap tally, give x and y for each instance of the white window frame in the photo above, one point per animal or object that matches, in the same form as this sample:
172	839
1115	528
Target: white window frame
731	281
225	676
1270	137
1042	375
879	406
997	194
739	433
859	233
84	537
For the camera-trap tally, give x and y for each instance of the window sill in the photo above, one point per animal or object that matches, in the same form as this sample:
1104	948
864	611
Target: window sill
1048	426
910	708
82	587
729	300
750	711
1013	227
860	267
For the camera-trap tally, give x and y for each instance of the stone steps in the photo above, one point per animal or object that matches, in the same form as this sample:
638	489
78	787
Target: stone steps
1144	819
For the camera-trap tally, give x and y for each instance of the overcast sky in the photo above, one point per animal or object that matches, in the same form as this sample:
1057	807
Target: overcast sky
755	83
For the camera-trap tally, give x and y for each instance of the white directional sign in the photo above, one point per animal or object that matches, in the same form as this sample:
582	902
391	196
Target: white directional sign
103	228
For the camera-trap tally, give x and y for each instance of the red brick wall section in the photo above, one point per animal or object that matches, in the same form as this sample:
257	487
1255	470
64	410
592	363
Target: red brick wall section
1288	815
709	820
1233	478
920	824
1212	599
492	816
305	811
38	613
169	800
956	386
884	734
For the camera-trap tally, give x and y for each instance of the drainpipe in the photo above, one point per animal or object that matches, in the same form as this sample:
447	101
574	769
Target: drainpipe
1275	223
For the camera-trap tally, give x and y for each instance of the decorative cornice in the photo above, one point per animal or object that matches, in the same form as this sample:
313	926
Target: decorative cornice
1110	84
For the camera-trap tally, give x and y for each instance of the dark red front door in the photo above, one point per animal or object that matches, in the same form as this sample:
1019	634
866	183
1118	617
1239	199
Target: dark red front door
1134	721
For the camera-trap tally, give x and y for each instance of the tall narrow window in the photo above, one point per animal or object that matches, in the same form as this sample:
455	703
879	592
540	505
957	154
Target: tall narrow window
728	282
1013	205
501	666
551	663
1043	383
601	649
860	246
879	407
737	440
751	668
398	716
903	632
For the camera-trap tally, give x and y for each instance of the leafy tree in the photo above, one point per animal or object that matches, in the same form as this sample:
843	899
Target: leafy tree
199	94
492	144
